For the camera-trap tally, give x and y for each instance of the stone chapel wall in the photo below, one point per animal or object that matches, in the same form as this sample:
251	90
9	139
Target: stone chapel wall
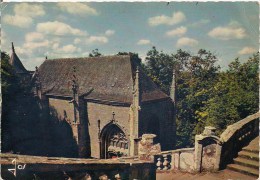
103	112
161	111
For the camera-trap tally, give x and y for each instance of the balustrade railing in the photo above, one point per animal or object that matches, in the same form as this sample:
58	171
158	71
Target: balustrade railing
14	166
169	160
238	135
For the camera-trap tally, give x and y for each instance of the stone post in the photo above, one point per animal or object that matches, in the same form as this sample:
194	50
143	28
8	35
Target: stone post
135	114
146	148
207	150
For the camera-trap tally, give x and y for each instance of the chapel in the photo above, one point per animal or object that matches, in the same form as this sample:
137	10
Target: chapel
108	102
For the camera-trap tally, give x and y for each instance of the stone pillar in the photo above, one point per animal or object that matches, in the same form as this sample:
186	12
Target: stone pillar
207	150
173	87
146	148
78	124
135	115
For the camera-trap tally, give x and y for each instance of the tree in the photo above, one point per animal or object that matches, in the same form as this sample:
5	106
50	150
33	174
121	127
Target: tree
234	96
195	76
160	67
95	53
10	87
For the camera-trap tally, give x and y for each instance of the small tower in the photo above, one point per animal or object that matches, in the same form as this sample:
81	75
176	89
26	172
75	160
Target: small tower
16	63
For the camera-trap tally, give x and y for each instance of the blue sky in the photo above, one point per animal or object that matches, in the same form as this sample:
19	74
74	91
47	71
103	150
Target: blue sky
228	29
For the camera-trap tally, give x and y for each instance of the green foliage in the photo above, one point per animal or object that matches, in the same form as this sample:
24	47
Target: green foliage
205	95
95	53
234	96
8	78
9	89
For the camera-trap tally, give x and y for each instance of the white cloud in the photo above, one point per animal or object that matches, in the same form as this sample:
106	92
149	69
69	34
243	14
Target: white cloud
29	9
97	40
247	50
200	23
85	54
55	46
3	38
34	36
232	31
34	45
167	20
185	41
23	15
59	28
143	42
109	32
16	20
77	41
68	49
77	8
177	32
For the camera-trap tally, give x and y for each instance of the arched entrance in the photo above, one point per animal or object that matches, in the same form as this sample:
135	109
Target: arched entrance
113	142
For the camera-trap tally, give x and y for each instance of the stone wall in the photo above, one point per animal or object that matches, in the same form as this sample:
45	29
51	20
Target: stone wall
62	108
39	167
103	113
156	115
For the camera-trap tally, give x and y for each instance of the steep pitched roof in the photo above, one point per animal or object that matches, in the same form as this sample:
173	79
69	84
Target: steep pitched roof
107	78
16	62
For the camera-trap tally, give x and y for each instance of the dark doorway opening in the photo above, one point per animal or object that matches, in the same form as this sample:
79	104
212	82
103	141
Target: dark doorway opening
113	142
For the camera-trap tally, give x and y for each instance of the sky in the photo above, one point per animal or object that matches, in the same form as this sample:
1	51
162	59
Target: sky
73	29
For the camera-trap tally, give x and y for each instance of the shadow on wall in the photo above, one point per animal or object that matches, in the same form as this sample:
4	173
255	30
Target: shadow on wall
61	136
26	130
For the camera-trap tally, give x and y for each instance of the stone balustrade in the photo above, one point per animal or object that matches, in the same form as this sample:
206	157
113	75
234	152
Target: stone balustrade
211	152
237	135
179	159
15	166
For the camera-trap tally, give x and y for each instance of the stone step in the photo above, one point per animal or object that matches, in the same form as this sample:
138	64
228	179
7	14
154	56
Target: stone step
253	150
243	169
247	162
249	155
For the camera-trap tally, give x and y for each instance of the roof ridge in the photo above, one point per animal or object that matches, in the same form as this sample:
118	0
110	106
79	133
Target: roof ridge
107	56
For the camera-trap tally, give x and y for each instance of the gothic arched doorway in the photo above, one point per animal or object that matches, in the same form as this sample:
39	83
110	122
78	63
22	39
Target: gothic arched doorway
113	142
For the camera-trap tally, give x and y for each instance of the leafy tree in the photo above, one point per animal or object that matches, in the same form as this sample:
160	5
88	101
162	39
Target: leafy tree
95	53
160	67
9	87
234	96
195	75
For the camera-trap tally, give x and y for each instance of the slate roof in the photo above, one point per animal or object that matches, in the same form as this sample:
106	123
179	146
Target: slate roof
110	78
16	62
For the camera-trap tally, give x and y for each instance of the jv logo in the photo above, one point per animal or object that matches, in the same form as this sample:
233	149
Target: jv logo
16	166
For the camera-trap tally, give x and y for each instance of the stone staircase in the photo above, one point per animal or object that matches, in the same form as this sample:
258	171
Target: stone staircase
247	161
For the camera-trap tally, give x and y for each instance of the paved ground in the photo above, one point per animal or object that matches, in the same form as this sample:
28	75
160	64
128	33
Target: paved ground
222	175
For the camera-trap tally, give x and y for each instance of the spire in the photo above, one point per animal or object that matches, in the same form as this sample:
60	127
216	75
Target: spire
13	51
173	87
16	62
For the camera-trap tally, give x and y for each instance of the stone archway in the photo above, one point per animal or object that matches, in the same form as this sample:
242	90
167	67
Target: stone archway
113	142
